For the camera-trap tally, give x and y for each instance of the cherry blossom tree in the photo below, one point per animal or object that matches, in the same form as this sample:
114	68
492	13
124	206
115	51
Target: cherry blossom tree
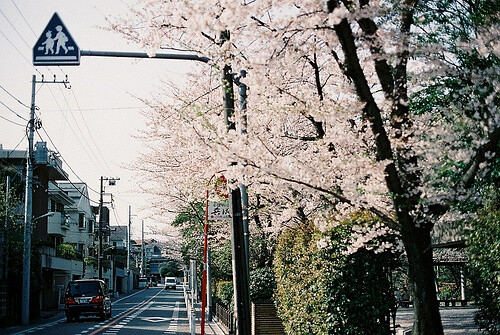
341	117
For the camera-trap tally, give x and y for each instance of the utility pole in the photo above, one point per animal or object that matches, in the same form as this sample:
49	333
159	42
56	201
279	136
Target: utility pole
143	253
244	192
129	287
4	255
240	270
5	236
101	222
28	205
25	296
238	245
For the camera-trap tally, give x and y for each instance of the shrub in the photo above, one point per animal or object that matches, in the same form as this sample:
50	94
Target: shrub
225	293
323	287
262	284
67	251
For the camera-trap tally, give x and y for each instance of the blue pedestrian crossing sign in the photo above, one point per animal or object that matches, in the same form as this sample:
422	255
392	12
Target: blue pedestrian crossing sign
56	46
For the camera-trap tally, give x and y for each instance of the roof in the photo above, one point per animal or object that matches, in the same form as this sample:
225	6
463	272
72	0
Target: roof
450	256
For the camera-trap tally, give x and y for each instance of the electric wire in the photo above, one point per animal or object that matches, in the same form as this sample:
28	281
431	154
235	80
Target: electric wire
69	167
72	129
77	189
103	109
25	21
15	29
19	52
13	122
12	151
97	159
8	165
13	97
89	132
13	111
117	217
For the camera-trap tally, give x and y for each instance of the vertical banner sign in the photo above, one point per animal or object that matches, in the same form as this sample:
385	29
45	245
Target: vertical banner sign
218	211
218	205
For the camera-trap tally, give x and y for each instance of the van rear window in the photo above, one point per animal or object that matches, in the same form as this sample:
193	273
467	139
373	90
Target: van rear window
84	289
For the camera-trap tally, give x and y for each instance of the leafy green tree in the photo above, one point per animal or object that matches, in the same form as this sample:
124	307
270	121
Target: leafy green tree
484	250
171	269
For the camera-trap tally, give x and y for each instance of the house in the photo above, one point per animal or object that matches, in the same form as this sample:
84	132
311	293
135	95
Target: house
61	214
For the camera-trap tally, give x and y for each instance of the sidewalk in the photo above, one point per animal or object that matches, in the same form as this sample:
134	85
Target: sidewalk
211	327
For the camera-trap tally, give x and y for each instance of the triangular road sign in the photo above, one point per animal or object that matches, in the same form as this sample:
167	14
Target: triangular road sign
56	46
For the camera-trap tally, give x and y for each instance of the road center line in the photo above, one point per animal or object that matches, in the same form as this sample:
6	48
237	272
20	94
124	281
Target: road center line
107	325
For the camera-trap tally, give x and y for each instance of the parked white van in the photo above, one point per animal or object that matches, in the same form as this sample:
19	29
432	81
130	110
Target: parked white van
143	282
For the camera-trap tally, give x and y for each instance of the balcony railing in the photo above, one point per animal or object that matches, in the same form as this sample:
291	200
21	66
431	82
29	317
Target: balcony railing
57	224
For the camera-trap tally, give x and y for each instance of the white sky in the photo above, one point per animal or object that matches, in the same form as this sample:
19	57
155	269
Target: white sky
101	98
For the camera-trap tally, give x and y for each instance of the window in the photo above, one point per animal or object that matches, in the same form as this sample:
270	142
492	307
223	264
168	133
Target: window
81	220
59	208
91	226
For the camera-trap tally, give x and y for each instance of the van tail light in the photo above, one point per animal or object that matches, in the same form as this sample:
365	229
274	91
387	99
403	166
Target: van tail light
97	299
70	301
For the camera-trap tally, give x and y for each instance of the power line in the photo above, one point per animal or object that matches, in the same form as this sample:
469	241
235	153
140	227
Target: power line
14	112
25	21
19	52
117	217
15	29
13	97
83	135
54	146
72	129
101	156
76	188
13	122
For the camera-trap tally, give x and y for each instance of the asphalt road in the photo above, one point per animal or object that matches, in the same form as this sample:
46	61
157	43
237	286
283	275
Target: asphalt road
152	311
456	320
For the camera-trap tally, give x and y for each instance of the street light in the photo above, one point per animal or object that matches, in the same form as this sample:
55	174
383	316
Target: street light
111	182
49	214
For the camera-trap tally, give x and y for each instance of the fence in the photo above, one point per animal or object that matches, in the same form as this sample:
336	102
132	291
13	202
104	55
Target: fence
225	317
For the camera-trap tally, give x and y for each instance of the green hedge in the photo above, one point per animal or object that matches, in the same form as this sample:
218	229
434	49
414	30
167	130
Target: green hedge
224	293
262	284
323	289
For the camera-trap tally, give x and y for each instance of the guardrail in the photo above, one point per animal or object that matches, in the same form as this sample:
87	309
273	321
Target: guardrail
190	310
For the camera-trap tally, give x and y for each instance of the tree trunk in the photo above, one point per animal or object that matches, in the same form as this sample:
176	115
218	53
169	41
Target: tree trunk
427	320
417	240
